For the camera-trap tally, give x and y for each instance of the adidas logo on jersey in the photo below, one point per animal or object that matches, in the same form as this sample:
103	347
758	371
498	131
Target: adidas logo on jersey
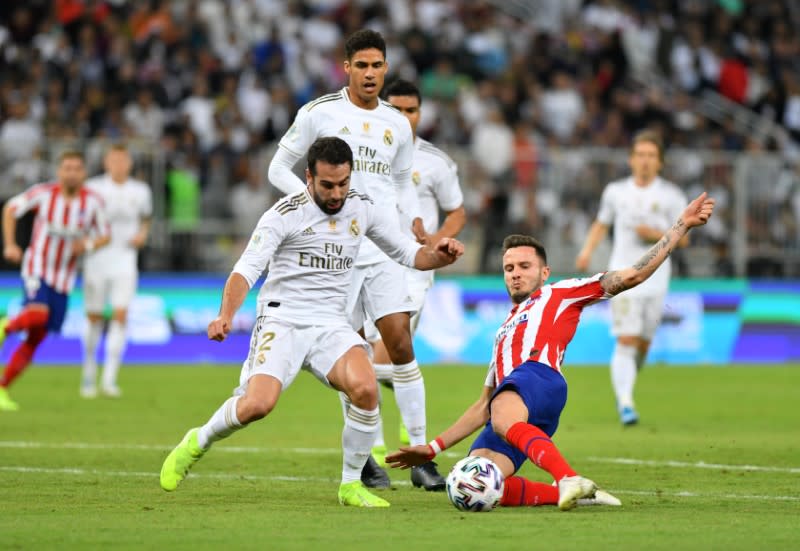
308	231
344	131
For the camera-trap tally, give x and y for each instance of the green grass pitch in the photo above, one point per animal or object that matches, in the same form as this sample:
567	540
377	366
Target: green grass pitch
714	464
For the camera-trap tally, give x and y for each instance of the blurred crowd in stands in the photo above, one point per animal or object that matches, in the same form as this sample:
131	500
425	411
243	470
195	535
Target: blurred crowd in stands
209	84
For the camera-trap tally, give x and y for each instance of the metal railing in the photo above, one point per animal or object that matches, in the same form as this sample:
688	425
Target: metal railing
755	231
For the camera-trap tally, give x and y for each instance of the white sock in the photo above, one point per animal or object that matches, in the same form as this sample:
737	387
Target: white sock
384	372
357	439
222	424
91	338
379	441
345	401
115	348
409	392
623	374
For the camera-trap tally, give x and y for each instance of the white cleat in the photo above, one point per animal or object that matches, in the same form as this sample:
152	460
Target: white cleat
88	391
111	391
573	488
601	497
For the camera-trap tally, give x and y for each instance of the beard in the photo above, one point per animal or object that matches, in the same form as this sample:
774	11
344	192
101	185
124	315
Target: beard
519	296
324	206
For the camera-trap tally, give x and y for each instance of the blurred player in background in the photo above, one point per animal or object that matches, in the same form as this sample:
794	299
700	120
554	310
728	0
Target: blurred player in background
436	182
110	275
383	150
310	240
525	392
69	222
641	208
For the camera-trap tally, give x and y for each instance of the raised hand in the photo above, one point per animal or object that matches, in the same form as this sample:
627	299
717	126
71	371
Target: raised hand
698	211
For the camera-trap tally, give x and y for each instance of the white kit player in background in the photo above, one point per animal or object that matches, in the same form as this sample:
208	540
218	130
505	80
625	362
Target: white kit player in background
641	208
110	275
310	240
435	179
383	150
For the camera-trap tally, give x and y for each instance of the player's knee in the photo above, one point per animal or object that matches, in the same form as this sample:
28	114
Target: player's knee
500	426
252	409
363	393
399	347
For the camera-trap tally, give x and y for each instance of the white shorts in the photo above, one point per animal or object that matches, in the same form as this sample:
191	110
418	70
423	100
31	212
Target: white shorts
636	316
377	291
418	285
280	349
100	289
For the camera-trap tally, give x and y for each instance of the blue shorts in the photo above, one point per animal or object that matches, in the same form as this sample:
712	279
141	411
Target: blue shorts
44	294
544	392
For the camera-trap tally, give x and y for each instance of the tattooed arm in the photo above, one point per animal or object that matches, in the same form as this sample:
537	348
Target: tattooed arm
696	213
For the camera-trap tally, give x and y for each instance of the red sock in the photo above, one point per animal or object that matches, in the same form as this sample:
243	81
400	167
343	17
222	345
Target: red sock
539	449
521	491
22	355
27	320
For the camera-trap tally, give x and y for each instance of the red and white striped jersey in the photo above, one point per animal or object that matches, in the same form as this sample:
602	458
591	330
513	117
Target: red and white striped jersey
540	328
59	222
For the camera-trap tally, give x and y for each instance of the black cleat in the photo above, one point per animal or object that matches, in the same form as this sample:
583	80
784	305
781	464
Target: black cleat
426	476
373	476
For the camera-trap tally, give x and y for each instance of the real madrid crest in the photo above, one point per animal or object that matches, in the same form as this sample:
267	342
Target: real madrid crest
387	137
416	178
354	229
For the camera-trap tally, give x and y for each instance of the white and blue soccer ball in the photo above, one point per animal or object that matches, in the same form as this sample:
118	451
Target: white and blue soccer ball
475	484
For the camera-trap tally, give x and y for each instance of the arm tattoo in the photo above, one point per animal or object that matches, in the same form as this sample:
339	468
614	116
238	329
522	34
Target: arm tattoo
652	253
612	283
663	243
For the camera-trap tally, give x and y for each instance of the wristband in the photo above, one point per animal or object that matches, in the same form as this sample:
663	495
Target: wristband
88	245
437	446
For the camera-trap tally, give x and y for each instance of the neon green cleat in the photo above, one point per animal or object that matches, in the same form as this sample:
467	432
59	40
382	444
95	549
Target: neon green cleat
3	324
379	455
404	439
355	494
6	403
177	464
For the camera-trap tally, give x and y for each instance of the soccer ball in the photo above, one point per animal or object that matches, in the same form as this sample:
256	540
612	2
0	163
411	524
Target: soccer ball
475	484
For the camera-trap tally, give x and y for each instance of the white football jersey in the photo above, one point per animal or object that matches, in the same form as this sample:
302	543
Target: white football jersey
126	205
626	205
435	178
382	146
311	255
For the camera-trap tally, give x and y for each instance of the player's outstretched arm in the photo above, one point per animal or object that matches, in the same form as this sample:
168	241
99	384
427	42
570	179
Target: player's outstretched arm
473	418
233	295
597	233
696	213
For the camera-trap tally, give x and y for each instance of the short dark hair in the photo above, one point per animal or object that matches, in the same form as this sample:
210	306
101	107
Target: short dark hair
402	87
364	40
331	150
517	240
